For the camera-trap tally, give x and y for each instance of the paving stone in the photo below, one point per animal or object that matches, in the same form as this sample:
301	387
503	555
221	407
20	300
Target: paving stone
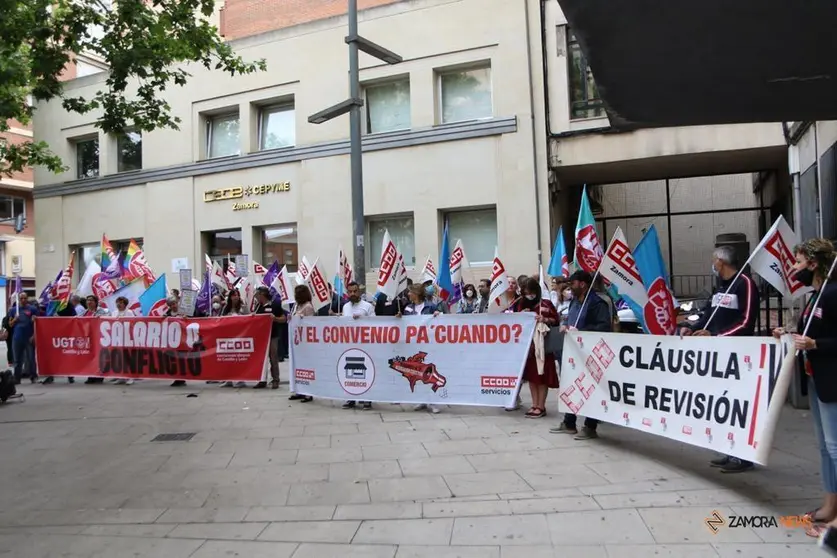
228	531
230	549
405	531
364	470
687	525
560	551
407	489
466	509
448	551
472	484
203	515
662	550
289	513
306	550
433	466
501	530
598	527
311	531
328	493
401	510
457	447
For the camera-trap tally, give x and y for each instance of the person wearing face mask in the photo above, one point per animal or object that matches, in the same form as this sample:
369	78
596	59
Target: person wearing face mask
217	305
485	291
735	306
540	370
587	312
265	305
468	303
431	294
818	347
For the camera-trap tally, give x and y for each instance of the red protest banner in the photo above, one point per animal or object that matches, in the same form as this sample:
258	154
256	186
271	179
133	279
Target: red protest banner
228	348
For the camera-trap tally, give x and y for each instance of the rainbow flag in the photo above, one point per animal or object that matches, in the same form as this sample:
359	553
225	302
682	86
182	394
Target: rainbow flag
110	261
62	289
134	265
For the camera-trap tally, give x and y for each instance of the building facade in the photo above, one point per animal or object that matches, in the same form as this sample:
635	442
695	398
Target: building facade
450	135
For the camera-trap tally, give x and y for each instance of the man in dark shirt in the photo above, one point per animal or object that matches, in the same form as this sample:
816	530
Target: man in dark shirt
733	312
265	305
22	319
587	312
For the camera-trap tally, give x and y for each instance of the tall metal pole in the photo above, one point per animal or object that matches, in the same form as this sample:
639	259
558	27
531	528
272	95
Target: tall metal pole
355	138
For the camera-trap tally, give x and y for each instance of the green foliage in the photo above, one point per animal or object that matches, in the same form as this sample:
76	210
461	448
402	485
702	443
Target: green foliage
146	42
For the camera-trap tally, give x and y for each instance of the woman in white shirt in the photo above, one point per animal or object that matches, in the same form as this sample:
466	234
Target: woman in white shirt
304	309
122	311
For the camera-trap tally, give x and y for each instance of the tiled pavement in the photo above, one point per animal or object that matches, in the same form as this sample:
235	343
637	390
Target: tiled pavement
265	477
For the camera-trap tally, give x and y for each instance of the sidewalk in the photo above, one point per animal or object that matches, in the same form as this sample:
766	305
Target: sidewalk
265	477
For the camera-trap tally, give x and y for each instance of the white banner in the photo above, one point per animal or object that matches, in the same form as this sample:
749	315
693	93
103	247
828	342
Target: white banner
711	392
468	359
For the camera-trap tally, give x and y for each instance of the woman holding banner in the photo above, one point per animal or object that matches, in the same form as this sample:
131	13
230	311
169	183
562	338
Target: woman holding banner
540	370
814	267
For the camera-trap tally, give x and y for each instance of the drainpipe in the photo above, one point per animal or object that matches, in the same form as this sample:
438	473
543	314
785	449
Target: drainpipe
819	177
534	133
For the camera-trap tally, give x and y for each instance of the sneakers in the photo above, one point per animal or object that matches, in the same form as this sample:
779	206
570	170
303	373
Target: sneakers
349	404
736	465
130	382
586	434
432	408
260	385
563	429
367	406
421	407
720	462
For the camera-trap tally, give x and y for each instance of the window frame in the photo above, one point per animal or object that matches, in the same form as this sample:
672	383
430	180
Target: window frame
595	105
215	117
470	67
452	239
90	139
12	199
266	110
367	106
264	242
374	266
119	139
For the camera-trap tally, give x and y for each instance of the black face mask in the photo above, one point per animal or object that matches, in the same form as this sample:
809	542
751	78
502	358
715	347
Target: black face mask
805	276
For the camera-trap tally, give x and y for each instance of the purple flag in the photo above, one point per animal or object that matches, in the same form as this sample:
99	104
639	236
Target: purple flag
204	301
271	274
43	299
114	269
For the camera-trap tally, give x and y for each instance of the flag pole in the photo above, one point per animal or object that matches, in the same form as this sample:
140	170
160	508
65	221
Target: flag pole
737	275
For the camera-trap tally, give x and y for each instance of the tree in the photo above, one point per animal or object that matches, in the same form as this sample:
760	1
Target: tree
147	42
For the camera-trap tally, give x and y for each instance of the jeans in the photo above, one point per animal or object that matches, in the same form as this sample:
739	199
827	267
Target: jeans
274	358
825	427
24	355
589	423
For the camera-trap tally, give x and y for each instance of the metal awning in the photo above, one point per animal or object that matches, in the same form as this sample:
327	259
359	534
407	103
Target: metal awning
679	63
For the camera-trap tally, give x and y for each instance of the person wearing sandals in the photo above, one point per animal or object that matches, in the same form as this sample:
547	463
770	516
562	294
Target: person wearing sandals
818	348
594	315
303	308
265	305
540	370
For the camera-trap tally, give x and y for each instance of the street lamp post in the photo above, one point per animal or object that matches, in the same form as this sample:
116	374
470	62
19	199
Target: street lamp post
353	105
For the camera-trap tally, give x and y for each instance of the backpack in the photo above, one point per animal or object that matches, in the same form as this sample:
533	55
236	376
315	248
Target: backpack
7	385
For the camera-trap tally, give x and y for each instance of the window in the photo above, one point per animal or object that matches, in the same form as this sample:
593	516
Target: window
85	69
85	255
129	151
584	95
401	231
11	207
277	127
223	244
222	138
478	232
280	244
466	95
87	158
388	106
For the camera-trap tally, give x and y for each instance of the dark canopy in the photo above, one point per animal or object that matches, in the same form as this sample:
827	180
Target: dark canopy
677	62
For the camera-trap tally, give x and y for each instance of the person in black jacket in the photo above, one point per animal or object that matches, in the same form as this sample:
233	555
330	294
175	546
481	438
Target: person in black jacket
814	261
733	312
588	312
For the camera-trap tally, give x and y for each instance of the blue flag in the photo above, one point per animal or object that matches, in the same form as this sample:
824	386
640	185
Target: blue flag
661	308
559	265
443	278
153	300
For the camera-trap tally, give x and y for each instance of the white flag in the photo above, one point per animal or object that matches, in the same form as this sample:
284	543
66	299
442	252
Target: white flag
303	271
499	286
217	277
544	284
429	271
282	286
389	272
132	291
773	259
402	273
85	284
317	282
619	267
208	263
458	262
